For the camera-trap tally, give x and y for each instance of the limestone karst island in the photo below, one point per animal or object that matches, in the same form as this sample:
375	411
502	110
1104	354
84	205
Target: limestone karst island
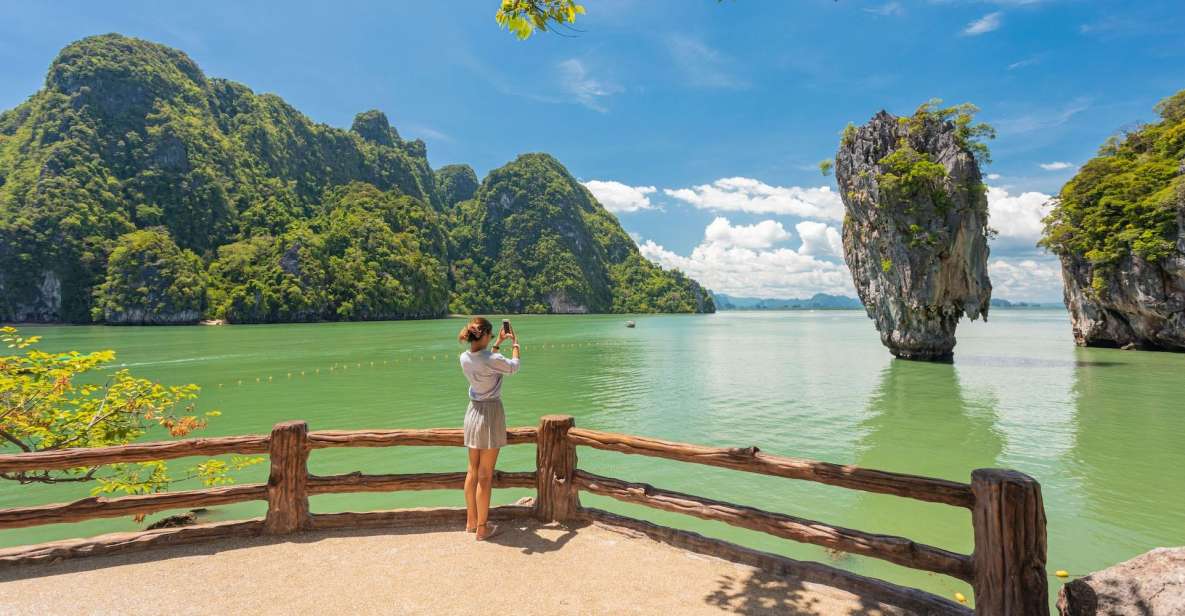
551	307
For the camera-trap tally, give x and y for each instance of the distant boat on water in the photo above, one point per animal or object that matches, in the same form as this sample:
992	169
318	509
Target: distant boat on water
630	324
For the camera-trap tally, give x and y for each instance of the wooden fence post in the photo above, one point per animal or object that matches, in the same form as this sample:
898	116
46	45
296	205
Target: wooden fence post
555	464
1010	544
287	498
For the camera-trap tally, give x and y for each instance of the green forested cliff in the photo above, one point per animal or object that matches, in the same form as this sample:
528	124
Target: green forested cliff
134	188
456	183
534	239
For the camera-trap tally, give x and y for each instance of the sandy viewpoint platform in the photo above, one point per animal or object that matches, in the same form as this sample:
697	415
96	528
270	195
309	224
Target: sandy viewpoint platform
528	569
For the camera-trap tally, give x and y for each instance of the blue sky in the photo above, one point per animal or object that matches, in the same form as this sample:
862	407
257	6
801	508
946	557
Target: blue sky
699	122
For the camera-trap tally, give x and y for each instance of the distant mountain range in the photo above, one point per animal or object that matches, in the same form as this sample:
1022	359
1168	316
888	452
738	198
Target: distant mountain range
1003	303
819	301
824	301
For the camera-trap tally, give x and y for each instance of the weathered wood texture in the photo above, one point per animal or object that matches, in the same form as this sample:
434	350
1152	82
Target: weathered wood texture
139	452
448	437
898	550
873	590
287	495
752	460
358	482
1010	544
403	518
101	507
127	542
557	498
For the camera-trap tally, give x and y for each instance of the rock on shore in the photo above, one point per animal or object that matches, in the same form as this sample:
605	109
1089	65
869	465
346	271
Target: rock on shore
1151	584
915	233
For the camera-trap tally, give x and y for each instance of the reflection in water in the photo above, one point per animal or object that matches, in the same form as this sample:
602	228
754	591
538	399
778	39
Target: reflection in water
1128	457
920	422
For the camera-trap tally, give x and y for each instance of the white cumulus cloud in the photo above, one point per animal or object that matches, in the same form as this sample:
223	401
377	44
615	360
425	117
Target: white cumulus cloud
620	198
739	194
1056	166
819	239
1026	280
761	235
1017	217
984	24
755	273
741	260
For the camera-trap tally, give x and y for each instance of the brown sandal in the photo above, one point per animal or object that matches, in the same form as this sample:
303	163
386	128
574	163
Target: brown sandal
497	529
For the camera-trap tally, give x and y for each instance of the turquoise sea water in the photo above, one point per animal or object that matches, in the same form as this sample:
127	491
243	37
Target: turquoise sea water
1101	429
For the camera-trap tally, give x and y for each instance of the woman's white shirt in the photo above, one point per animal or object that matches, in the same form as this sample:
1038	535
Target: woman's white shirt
484	371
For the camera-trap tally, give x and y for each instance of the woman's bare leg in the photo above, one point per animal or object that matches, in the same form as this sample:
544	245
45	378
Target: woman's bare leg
487	458
471	489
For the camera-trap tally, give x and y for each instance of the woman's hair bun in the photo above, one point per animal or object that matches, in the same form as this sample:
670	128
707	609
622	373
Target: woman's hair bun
475	329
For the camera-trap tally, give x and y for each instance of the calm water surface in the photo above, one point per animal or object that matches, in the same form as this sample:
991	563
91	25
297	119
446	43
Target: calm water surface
1102	430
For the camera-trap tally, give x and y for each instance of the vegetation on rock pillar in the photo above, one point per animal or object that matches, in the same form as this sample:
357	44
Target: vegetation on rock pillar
1118	228
1126	200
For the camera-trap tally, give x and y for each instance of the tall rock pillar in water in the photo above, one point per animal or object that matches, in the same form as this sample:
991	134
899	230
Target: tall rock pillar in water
915	232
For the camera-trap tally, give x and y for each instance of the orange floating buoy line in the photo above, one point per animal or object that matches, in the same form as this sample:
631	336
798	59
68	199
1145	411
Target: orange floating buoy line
336	367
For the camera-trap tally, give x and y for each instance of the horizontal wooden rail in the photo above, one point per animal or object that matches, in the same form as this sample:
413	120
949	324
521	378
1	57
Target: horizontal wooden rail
101	507
122	543
752	460
140	452
1007	569
359	482
897	550
448	437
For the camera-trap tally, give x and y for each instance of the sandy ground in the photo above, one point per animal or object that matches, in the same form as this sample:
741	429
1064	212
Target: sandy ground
528	569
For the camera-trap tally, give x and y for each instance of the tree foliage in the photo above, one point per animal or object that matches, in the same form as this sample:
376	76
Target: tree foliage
47	403
369	255
969	133
151	280
1126	200
524	17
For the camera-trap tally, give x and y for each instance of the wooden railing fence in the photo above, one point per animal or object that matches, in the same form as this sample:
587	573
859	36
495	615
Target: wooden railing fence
1006	569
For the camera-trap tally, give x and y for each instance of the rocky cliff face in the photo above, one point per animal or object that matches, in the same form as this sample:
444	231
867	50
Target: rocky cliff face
1118	227
1135	304
915	231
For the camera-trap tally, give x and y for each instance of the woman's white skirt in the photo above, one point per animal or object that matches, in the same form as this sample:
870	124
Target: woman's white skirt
485	424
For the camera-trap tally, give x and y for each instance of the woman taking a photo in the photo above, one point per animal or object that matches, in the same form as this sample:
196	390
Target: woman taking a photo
485	420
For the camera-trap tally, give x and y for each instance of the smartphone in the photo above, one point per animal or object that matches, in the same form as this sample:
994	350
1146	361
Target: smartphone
506	325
